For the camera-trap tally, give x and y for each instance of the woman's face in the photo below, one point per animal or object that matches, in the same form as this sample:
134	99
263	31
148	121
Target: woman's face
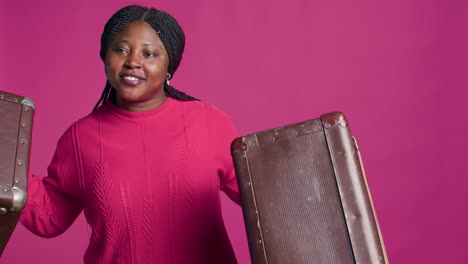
136	66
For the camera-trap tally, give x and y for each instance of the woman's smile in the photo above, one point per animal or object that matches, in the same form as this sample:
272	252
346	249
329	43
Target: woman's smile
131	79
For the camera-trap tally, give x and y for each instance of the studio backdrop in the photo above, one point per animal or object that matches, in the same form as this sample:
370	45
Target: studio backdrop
398	69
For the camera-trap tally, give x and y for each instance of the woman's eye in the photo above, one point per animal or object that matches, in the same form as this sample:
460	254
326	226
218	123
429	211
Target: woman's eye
150	54
120	50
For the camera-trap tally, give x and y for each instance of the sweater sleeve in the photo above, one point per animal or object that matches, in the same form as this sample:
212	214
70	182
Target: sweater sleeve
51	208
227	133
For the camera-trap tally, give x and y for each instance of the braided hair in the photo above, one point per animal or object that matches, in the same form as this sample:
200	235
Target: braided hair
170	33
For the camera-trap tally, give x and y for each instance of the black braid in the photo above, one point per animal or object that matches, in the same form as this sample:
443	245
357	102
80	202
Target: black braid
169	31
171	92
104	95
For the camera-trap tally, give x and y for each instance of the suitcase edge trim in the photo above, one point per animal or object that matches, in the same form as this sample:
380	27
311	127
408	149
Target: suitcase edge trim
255	239
357	206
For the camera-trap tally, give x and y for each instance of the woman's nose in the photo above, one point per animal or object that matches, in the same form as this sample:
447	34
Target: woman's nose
133	61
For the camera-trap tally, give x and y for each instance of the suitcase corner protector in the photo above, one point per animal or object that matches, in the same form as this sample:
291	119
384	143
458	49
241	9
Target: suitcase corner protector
334	118
19	199
28	102
238	144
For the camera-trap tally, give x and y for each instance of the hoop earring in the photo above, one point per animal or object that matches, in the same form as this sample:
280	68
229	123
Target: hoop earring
168	77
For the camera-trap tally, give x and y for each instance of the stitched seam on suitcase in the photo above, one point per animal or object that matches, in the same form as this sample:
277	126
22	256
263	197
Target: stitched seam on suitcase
333	160
21	156
256	208
17	147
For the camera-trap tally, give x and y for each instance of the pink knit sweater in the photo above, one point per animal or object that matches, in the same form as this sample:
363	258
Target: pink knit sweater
148	183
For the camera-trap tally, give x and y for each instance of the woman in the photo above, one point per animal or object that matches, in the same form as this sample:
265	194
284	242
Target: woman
147	164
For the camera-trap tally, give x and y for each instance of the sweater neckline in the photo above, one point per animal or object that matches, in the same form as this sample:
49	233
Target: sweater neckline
139	115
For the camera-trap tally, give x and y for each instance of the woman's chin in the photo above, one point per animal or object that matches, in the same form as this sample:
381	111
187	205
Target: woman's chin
129	94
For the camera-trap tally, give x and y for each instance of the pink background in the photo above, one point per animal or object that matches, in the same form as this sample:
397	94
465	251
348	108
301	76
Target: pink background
398	69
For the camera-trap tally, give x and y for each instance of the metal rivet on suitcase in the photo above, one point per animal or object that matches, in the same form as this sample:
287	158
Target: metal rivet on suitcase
21	141
16	180
3	211
20	163
16	99
2	96
272	138
252	144
5	190
259	241
26	109
295	133
23	124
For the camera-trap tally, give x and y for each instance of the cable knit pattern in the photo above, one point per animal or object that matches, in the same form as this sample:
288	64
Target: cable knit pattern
148	183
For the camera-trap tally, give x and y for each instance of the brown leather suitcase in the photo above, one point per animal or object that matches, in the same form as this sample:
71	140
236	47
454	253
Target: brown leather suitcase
305	196
16	117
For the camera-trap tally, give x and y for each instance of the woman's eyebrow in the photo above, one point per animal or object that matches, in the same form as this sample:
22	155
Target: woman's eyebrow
145	44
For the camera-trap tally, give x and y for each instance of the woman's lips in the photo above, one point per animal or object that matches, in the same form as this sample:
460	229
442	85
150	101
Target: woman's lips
131	79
